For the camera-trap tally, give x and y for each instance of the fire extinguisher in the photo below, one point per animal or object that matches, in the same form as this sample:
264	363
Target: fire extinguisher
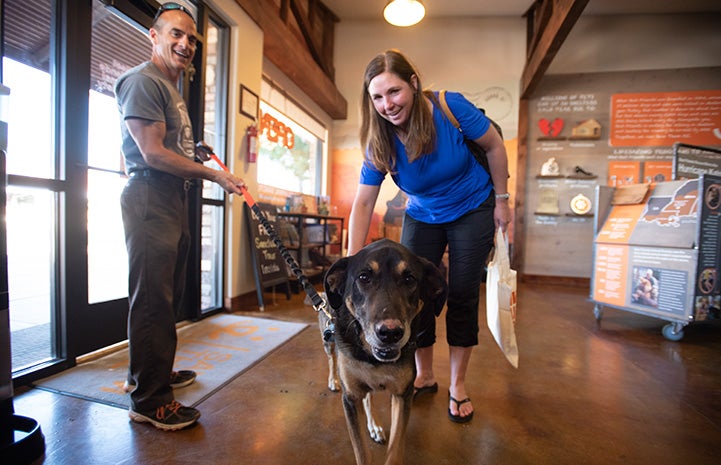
252	140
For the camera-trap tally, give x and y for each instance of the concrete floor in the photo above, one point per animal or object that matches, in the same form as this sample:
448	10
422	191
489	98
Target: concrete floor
584	393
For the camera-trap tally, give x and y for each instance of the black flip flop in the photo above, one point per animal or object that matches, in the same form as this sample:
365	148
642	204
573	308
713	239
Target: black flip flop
417	391
458	418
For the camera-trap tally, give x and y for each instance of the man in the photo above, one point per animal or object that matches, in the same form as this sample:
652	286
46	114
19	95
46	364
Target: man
159	157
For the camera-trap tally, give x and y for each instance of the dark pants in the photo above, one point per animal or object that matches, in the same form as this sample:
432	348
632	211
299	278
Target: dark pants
155	217
469	240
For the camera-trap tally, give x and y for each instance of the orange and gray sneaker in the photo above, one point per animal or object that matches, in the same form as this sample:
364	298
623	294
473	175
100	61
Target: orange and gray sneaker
169	417
178	379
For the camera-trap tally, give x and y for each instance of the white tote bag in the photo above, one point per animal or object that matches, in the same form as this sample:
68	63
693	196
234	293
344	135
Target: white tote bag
501	300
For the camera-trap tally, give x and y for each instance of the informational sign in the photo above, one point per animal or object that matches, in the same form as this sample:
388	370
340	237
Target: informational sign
268	264
707	302
661	256
667	219
664	118
691	161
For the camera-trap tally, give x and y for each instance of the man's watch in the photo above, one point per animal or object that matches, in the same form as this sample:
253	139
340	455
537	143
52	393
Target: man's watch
503	196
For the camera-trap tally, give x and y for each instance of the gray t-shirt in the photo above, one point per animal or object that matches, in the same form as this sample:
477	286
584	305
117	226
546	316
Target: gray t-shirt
144	92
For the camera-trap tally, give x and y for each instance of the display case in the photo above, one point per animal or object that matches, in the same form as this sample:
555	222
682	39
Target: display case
657	251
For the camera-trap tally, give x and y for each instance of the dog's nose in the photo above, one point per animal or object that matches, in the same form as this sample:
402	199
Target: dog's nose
390	331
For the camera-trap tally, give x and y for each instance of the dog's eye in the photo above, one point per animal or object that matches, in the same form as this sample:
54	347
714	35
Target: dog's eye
364	277
409	280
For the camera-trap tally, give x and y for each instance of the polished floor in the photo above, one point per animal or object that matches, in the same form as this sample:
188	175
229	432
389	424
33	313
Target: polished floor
584	393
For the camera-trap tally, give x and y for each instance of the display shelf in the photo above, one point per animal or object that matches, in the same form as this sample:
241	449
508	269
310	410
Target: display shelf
319	238
582	177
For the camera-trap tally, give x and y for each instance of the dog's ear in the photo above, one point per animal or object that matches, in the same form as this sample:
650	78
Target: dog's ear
434	289
334	282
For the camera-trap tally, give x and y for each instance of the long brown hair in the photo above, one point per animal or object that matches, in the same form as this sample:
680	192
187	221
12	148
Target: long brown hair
376	133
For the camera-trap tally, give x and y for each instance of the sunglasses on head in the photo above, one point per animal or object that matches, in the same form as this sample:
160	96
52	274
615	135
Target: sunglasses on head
169	7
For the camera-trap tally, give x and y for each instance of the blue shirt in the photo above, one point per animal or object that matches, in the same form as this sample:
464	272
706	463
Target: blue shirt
447	183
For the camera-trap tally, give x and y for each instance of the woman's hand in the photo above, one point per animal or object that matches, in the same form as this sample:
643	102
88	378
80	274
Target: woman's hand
502	213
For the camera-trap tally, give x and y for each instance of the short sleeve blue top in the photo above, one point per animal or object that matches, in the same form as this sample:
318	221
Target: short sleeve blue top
447	183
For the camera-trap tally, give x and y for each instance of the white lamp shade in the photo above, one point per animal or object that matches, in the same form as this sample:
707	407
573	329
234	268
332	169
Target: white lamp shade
404	13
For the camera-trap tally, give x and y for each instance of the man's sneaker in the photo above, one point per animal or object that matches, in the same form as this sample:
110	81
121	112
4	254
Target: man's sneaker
178	379
169	417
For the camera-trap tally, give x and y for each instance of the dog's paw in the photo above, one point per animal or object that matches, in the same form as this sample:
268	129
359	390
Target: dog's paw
376	432
333	384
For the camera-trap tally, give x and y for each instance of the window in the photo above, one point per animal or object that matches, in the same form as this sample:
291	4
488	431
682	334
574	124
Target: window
32	166
290	144
214	134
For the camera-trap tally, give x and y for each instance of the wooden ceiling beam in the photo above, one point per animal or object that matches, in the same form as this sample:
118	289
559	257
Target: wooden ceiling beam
553	20
304	19
282	47
548	24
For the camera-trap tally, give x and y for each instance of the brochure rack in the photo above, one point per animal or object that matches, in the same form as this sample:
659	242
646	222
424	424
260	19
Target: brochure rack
659	254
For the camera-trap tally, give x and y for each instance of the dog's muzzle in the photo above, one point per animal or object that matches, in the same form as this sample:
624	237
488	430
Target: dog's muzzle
389	335
387	354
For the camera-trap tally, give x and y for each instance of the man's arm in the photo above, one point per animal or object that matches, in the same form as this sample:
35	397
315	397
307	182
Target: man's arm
149	136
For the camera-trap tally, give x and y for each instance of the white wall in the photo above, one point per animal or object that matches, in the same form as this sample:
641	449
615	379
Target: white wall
466	55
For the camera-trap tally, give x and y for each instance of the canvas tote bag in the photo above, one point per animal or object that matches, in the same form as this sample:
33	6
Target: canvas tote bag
501	300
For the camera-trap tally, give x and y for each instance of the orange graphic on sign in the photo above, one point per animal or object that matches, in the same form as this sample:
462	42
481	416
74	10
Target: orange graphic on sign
622	173
657	171
620	223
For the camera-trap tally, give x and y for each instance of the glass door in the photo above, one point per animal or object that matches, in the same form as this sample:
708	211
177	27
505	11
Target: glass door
107	256
34	188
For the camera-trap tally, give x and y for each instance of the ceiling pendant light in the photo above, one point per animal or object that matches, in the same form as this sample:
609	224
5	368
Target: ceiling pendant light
404	13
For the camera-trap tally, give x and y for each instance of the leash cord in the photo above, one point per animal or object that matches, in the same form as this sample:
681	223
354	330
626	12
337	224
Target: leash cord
319	304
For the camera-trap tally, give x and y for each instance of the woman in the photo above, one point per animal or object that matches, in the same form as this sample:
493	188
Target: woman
452	201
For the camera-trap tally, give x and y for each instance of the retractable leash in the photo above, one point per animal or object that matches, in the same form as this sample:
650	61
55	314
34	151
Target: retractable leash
319	303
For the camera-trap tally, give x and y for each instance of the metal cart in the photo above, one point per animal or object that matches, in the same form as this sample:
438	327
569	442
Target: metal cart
659	255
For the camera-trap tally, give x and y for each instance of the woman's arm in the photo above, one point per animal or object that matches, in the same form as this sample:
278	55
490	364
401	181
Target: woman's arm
492	143
360	216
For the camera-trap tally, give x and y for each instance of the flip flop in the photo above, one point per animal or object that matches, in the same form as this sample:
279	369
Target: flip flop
417	391
458	418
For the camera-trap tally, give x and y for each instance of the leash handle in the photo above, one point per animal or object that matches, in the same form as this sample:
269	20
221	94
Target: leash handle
246	195
220	163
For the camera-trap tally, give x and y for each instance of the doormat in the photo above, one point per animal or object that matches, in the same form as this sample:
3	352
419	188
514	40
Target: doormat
218	348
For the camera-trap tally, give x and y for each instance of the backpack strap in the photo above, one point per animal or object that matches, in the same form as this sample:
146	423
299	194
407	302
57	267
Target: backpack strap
447	110
449	114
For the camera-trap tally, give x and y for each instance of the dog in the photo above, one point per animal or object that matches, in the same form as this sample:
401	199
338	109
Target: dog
373	297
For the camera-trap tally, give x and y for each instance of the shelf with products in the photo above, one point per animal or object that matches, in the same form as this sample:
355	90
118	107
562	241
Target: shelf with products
565	195
315	240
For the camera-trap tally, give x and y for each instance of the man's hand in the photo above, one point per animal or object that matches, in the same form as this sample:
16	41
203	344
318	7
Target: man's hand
203	151
231	183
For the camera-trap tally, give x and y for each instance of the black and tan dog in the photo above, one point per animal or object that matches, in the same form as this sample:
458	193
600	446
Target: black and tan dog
374	296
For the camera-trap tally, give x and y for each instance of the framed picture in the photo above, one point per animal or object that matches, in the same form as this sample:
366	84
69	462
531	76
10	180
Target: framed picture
248	103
